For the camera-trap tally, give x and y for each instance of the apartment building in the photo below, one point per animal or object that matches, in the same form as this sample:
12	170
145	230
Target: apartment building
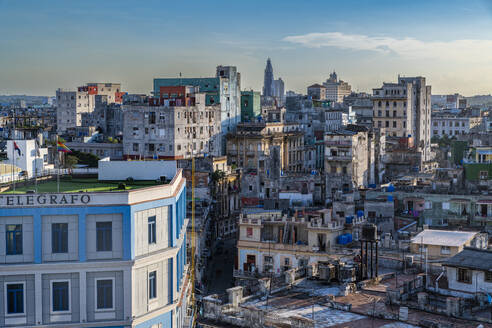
223	90
177	126
346	159
453	125
270	243
112	258
403	109
70	105
317	91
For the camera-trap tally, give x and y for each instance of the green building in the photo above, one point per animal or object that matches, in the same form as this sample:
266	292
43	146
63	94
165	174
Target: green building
250	105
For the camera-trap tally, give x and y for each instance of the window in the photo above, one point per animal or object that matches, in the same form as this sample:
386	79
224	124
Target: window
445	250
394	124
379	113
152	285
379	124
387	124
464	275
104	294
135	147
151	228
249	232
59	238
394	113
488	276
60	296
104	242
152	118
15	298
13	237
151	147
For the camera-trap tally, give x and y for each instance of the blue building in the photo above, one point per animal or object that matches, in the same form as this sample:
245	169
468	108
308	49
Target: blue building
111	257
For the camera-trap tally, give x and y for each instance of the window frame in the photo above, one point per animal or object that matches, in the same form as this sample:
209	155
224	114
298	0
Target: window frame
152	292
6	306
489	279
463	281
15	243
52	310
96	308
103	243
152	227
61	241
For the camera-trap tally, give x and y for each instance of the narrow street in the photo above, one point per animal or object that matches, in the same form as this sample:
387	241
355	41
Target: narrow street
221	266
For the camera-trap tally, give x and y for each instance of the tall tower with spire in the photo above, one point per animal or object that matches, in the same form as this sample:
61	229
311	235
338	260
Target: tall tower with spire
268	80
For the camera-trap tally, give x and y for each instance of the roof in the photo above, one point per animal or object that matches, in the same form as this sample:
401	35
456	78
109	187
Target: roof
443	237
471	258
316	85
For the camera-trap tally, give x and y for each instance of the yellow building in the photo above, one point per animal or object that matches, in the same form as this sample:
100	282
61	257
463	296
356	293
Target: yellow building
444	243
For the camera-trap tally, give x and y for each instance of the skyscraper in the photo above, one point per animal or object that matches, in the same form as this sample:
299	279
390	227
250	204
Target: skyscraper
268	80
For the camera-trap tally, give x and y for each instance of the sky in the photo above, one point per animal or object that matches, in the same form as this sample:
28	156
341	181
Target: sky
50	44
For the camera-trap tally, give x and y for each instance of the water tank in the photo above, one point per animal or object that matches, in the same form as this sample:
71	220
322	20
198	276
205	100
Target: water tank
369	232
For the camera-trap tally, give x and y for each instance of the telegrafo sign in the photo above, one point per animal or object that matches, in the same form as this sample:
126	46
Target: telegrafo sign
44	199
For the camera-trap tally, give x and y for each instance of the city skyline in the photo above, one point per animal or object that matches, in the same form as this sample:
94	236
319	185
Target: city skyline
69	44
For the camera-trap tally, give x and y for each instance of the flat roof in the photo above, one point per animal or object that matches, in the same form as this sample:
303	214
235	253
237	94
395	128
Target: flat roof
443	237
80	184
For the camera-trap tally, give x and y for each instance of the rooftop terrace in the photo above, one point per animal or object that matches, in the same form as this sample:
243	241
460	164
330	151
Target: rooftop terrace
78	185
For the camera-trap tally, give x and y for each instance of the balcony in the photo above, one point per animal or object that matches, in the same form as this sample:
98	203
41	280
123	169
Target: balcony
339	158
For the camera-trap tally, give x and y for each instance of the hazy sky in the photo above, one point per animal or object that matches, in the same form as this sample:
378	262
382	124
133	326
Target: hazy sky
48	44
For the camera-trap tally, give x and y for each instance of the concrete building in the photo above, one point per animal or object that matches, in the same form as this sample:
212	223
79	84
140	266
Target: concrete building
224	90
250	105
470	272
174	129
336	90
270	243
112	258
28	158
279	91
453	125
346	159
70	105
317	91
445	243
403	109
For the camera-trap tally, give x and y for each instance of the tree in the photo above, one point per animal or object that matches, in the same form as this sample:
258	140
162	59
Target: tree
70	161
86	158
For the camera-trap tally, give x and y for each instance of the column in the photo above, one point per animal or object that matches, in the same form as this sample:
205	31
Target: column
83	296
82	238
38	295
38	239
127	293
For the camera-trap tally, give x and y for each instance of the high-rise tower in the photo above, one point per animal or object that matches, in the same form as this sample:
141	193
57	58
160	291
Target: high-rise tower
268	80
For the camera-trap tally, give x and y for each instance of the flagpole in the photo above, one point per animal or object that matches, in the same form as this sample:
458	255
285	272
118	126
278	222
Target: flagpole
13	166
58	167
35	165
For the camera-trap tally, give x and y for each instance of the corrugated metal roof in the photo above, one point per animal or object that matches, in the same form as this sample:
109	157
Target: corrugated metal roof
443	237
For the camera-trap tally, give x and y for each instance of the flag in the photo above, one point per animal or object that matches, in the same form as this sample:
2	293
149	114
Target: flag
61	147
16	148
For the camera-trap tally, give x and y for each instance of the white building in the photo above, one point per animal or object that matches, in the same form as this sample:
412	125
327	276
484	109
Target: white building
453	125
336	89
26	158
71	104
470	272
172	132
112	258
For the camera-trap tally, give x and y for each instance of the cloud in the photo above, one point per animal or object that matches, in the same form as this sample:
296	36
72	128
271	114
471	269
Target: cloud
473	51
